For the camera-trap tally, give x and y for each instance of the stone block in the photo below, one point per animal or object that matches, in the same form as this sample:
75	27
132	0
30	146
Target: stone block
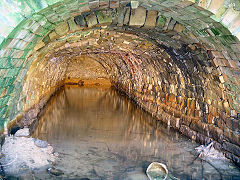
171	24
53	35
120	18
161	20
233	137
134	4
103	4
215	54
215	5
217	62
137	17
62	28
151	19
225	63
179	28
104	17
39	45
168	19
215	133
229	16
114	4
188	132
127	16
91	20
232	124
93	4
234	158
72	25
46	39
79	20
235	47
84	7
231	148
21	44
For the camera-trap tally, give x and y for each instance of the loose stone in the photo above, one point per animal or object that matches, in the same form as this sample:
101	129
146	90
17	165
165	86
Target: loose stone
22	133
40	143
56	172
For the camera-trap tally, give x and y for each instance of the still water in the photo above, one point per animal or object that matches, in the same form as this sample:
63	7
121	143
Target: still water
100	134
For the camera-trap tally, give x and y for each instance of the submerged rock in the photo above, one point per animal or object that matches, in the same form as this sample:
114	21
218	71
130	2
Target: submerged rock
55	172
40	143
22	133
157	171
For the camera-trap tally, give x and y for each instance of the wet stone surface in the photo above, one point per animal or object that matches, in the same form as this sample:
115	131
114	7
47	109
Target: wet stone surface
21	157
99	134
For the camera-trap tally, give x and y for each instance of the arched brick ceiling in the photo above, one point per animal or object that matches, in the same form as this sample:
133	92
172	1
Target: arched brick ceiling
224	11
175	58
29	25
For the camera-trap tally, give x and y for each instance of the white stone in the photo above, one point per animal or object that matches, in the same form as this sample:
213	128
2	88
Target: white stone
20	153
156	170
22	133
134	4
209	151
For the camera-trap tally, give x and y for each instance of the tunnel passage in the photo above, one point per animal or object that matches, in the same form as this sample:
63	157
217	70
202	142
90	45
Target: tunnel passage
184	70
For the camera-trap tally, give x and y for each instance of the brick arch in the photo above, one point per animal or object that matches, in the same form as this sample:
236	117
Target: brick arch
200	42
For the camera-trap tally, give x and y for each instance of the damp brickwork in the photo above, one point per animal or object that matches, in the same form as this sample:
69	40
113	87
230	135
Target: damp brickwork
178	60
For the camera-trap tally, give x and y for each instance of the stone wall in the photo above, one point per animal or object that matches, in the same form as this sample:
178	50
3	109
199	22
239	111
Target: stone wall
173	58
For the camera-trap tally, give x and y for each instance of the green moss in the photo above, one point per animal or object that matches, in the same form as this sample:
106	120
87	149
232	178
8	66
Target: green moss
227	39
80	20
161	20
215	31
104	17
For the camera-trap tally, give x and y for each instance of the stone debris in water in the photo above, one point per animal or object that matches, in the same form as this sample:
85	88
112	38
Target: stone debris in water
157	171
21	154
209	151
40	143
22	133
54	171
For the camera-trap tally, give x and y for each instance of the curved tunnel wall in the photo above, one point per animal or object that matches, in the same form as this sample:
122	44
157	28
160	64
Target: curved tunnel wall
174	58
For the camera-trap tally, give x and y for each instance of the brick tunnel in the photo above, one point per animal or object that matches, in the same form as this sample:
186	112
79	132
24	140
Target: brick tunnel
178	60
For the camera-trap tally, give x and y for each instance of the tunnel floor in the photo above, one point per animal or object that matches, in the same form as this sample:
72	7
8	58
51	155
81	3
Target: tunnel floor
100	134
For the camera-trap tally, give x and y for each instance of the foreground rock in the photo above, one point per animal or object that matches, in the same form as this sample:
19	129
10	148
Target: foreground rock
22	133
22	153
209	151
54	171
157	171
41	144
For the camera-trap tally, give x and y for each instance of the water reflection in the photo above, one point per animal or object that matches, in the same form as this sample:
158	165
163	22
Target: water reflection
100	134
